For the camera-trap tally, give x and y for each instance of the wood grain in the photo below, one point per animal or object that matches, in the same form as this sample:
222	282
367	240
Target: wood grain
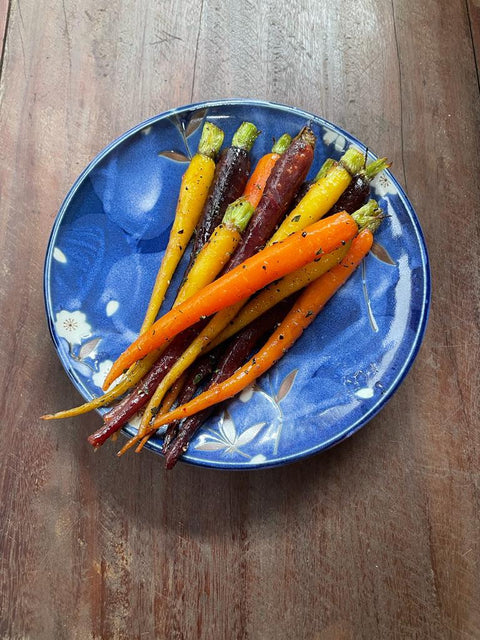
377	538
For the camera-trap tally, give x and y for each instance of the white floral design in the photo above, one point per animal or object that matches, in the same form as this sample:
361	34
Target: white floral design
330	137
98	378
59	256
112	307
73	326
382	186
227	438
247	393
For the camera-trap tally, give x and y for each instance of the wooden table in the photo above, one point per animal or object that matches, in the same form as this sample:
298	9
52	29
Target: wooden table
377	538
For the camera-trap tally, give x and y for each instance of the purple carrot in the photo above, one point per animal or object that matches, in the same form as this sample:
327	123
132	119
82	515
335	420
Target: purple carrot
358	191
231	175
196	374
287	175
121	413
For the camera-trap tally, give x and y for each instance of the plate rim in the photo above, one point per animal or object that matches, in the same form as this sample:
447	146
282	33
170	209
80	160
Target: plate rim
353	427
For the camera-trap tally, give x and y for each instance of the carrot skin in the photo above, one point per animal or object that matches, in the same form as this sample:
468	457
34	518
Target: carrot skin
241	282
354	196
256	185
304	311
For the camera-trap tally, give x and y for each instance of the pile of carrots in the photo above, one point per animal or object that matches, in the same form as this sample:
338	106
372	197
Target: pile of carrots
268	251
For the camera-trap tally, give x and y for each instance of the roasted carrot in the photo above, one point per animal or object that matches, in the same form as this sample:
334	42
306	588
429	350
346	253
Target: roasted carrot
273	293
209	262
217	251
121	413
322	195
324	169
195	376
370	215
231	175
285	178
194	190
358	191
271	263
302	314
167	402
333	178
257	181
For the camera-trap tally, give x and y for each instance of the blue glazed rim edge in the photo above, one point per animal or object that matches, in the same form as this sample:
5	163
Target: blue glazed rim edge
426	294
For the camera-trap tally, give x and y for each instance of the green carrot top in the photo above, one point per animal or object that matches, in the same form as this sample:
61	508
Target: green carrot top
369	216
353	160
282	144
211	140
375	167
325	168
238	214
245	136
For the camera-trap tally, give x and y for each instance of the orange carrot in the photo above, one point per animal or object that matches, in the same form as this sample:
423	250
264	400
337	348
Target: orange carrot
304	311
271	263
257	181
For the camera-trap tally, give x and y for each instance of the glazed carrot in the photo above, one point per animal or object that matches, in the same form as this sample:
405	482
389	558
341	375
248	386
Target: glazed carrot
302	314
370	215
195	375
333	178
217	251
257	181
273	293
284	181
121	413
194	190
358	191
324	169
269	264
167	403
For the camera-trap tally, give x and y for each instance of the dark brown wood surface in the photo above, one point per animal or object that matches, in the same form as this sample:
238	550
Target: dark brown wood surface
377	538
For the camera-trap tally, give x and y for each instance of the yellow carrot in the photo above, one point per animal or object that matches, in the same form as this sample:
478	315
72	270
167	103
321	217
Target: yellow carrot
194	190
208	264
321	196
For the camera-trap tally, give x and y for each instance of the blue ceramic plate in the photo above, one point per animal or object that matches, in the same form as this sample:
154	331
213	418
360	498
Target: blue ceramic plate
107	243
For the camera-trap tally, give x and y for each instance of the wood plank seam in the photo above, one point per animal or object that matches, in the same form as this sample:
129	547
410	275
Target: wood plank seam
4	40
470	28
401	94
196	51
